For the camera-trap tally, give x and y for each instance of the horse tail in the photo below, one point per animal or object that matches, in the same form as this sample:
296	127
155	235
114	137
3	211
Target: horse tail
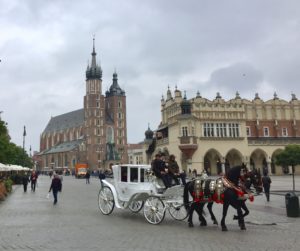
186	195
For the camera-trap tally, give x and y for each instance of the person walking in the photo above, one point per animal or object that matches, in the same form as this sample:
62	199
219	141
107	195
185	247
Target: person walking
25	181
33	180
56	186
87	177
266	181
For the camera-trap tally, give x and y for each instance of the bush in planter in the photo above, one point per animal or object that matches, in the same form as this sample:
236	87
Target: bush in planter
8	185
2	191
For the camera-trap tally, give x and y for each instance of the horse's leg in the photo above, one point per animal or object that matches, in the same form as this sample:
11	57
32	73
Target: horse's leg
225	209
240	215
191	211
199	209
213	218
245	208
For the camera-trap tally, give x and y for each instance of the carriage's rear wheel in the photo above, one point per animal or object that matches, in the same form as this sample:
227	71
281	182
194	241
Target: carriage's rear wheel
154	210
106	200
136	206
178	211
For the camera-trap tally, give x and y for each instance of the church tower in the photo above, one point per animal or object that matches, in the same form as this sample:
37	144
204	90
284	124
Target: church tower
116	130
94	115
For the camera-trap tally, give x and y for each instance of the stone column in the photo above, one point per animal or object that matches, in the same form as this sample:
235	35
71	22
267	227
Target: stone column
223	167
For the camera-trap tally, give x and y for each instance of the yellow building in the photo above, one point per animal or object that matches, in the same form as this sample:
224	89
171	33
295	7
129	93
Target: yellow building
216	134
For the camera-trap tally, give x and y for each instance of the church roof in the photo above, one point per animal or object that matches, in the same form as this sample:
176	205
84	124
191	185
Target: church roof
65	121
64	147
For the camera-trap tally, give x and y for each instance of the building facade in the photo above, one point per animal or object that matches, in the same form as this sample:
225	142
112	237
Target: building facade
216	134
96	134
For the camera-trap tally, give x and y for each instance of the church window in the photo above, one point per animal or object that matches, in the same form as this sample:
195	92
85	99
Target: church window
119	115
119	104
97	104
110	134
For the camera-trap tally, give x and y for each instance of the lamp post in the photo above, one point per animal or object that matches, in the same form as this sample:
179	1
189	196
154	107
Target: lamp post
24	135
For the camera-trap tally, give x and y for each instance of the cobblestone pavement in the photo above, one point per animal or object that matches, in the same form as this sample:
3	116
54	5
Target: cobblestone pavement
29	221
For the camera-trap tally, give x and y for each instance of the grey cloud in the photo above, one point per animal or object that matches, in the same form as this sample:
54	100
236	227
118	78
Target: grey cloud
196	45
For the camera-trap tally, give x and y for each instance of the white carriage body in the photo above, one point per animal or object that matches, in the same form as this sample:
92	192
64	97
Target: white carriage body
134	187
131	183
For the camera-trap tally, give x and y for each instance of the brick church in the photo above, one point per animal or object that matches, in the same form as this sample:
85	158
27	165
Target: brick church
95	134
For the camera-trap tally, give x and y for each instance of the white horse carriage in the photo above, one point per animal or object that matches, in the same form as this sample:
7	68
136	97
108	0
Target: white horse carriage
134	187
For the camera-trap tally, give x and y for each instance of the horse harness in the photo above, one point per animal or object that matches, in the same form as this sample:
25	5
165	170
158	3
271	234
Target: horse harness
207	190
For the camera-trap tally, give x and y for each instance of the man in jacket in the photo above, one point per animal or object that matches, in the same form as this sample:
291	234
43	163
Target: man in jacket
160	170
55	187
173	171
266	181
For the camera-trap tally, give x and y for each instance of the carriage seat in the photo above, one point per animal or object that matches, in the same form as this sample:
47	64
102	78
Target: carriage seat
159	184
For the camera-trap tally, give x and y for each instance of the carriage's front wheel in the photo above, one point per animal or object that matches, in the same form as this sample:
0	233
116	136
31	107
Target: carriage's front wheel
136	206
178	211
154	210
106	200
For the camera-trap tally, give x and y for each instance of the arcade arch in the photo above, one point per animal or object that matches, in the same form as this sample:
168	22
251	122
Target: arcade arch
212	162
233	158
258	160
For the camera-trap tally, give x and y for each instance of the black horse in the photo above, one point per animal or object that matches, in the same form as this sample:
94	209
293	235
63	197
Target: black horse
230	196
200	201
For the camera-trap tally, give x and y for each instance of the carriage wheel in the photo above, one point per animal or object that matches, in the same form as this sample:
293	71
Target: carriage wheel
154	210
178	211
106	200
136	206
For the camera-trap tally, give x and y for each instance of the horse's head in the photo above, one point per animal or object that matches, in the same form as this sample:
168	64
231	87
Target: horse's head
252	178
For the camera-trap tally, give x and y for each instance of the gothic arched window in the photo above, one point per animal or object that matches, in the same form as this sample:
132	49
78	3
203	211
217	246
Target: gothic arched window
110	135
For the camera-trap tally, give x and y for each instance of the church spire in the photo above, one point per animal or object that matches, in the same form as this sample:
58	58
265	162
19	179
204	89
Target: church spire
94	71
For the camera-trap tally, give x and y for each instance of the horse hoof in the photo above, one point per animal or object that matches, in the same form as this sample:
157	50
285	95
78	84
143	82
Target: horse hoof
191	224
215	222
203	224
224	228
243	227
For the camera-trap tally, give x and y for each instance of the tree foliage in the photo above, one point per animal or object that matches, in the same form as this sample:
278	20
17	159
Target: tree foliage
290	156
10	153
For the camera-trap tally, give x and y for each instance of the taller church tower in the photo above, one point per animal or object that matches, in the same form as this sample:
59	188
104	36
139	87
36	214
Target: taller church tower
105	120
94	114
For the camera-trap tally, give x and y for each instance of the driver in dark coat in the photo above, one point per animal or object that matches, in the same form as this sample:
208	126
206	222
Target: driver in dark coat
158	166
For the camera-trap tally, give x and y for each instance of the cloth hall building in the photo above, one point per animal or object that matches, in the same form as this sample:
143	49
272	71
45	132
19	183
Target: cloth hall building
95	135
216	134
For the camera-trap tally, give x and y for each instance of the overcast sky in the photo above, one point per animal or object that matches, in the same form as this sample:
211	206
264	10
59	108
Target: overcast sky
211	46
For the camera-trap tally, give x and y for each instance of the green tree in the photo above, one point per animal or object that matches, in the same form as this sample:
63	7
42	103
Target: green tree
290	156
10	153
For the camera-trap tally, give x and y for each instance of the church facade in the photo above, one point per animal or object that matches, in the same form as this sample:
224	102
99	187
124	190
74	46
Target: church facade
214	135
95	135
